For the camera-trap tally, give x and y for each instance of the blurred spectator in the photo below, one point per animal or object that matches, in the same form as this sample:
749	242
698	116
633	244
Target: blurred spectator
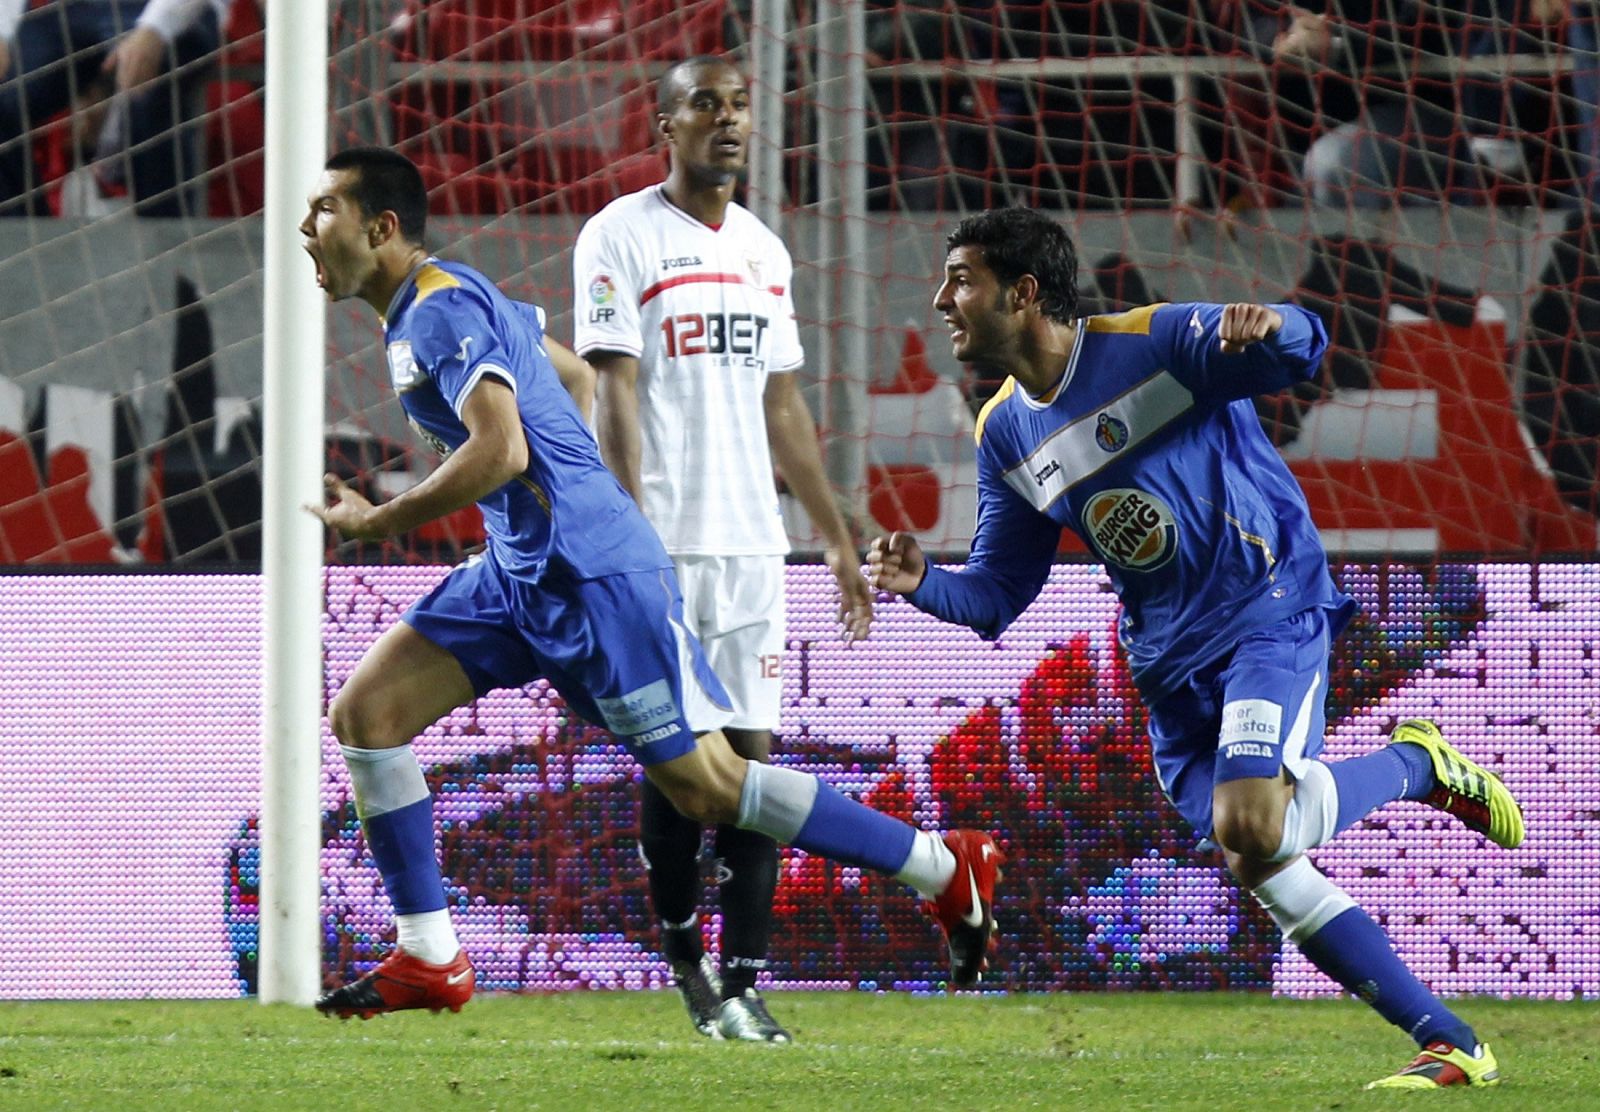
1359	98
1561	362
133	60
1582	38
1395	134
933	143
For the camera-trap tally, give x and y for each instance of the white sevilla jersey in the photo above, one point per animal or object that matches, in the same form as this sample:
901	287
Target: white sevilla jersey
710	314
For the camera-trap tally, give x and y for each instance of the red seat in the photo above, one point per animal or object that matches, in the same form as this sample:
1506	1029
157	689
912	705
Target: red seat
26	532
903	496
235	125
83	538
915	375
235	138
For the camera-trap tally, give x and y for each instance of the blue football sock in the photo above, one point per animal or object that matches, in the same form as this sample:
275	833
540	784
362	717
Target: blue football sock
401	844
799	810
1366	783
1353	950
844	830
1419	766
397	814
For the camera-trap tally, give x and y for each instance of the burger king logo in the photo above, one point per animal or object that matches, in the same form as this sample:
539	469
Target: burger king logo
1131	528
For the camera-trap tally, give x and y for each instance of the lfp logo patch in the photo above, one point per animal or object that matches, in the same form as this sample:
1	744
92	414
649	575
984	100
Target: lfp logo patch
1110	433
602	291
1131	528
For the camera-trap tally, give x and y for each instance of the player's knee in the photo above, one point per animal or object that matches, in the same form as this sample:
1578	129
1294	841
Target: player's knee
702	803
359	725
1253	832
708	800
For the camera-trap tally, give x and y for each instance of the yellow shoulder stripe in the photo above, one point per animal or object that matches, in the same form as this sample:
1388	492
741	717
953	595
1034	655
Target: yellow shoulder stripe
1000	395
1135	321
430	280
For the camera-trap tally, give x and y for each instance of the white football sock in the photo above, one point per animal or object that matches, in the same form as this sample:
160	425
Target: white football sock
1301	900
428	935
929	867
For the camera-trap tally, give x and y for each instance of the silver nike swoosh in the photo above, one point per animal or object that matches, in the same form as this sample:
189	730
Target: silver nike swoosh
974	917
457	978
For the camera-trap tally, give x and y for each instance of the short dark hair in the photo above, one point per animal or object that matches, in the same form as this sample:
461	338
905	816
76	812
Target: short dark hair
667	91
1018	241
387	181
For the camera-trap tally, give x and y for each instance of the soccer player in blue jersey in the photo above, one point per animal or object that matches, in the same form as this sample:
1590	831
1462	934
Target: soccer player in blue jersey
574	586
1136	431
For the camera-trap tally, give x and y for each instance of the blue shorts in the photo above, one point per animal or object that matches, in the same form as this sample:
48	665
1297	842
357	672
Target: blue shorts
615	647
1253	713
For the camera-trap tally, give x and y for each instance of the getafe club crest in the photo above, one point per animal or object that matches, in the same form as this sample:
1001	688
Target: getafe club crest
1110	433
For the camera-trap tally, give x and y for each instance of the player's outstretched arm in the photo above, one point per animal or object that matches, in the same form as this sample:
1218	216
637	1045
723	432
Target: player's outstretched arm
577	376
617	416
792	436
494	453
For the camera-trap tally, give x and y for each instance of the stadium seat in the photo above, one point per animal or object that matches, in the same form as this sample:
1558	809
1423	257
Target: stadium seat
235	127
235	138
903	496
26	531
83	536
1480	487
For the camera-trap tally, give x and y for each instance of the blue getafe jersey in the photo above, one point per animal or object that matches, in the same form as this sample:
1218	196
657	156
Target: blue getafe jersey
449	326
1150	451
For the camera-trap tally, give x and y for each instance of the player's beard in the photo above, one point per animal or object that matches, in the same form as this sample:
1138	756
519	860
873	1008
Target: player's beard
712	177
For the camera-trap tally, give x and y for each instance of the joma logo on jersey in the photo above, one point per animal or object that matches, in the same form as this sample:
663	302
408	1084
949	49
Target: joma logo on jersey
1131	528
1045	472
713	334
680	262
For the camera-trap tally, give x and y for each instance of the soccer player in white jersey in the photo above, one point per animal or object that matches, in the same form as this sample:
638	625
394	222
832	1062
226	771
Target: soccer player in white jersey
685	307
1135	430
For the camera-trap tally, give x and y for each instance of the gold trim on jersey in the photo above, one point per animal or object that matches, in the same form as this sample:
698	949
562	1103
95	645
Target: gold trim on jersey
538	492
1248	537
430	280
1134	321
1000	395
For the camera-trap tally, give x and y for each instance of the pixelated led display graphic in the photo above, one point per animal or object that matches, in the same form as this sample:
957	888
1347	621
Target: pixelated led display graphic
129	788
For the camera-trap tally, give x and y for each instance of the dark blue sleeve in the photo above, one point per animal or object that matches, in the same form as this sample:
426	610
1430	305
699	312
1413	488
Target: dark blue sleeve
1012	550
454	338
1196	359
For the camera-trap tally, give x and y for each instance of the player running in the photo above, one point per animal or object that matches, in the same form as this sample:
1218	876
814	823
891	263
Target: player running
1135	431
573	586
686	309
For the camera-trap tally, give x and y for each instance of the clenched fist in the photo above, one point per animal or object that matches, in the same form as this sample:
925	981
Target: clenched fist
1243	325
895	563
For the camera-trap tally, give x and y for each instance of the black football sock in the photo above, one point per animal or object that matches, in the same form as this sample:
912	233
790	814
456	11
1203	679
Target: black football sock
671	847
748	874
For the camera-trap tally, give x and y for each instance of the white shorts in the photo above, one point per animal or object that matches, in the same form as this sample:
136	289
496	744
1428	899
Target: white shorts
735	606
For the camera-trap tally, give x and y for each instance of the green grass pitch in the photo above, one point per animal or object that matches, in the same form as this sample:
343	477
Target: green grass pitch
631	1051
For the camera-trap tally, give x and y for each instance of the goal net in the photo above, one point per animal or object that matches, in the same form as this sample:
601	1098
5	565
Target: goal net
1422	186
